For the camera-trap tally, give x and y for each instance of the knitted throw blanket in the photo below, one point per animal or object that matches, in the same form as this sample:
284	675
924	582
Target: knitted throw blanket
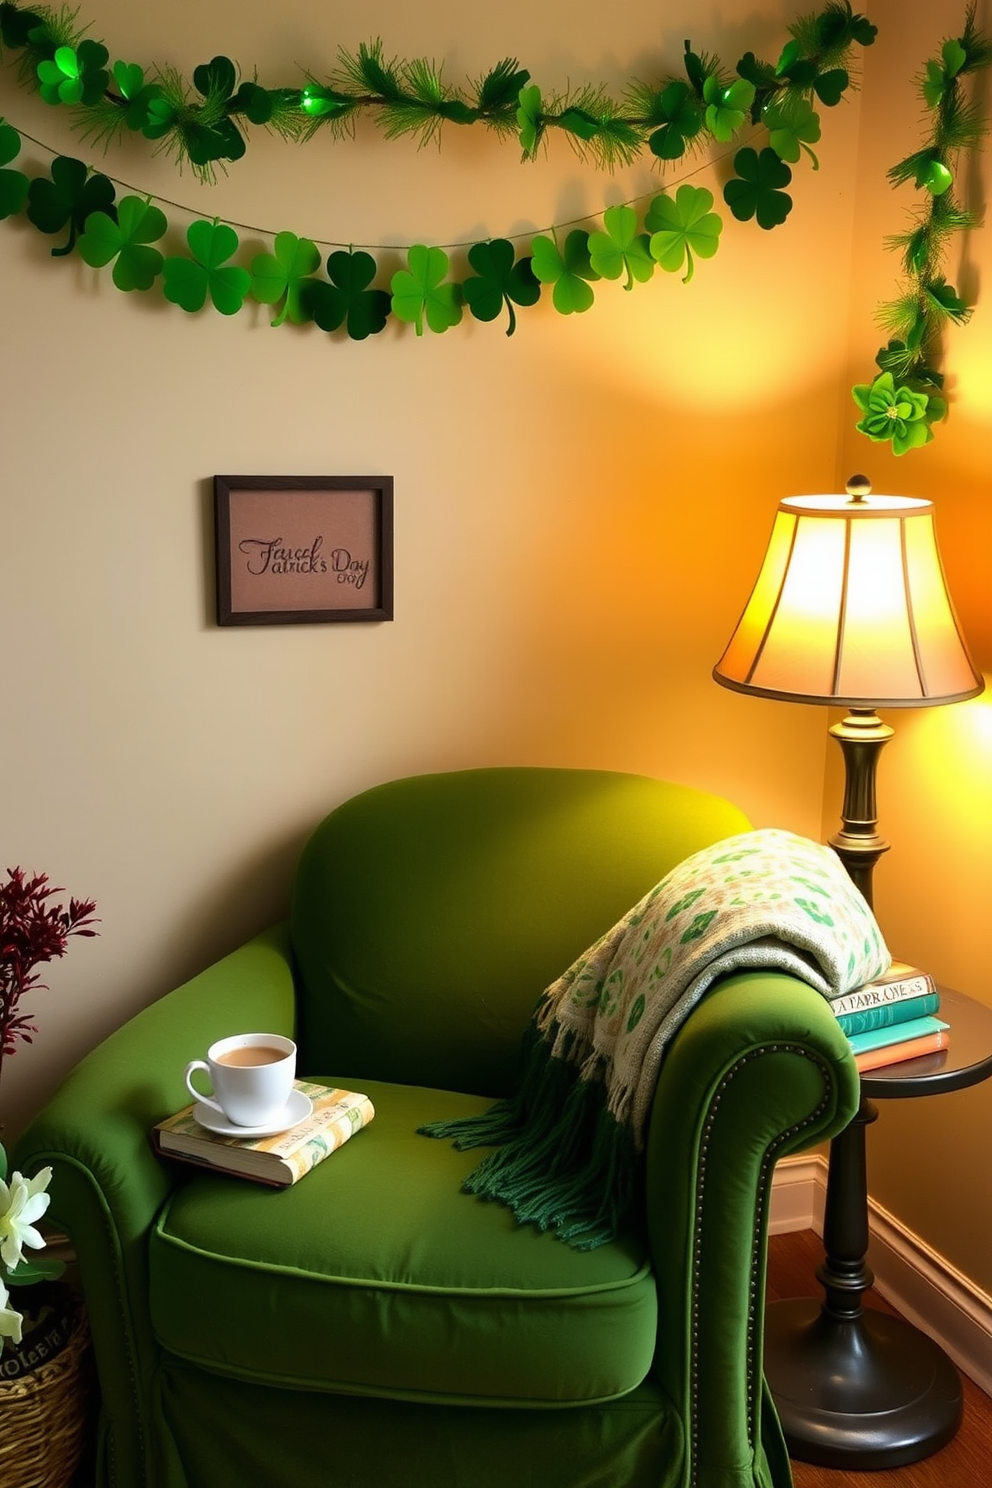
567	1143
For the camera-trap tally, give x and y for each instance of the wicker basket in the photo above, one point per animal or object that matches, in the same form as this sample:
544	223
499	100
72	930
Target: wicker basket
43	1418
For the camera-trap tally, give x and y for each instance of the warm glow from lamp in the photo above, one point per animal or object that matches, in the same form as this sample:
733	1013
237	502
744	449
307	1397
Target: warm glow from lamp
850	607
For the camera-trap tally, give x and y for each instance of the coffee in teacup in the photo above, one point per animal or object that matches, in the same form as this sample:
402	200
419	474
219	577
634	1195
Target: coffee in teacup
249	1054
252	1077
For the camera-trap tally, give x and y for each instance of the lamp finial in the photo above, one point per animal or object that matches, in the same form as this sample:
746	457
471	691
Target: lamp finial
858	487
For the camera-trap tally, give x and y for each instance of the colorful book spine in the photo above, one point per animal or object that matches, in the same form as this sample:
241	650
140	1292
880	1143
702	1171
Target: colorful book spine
900	984
897	1033
930	1043
888	1014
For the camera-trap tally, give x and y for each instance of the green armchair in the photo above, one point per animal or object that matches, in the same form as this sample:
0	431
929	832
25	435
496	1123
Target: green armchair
373	1326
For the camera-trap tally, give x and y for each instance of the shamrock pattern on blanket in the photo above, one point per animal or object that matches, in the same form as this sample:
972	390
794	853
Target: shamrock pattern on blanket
766	899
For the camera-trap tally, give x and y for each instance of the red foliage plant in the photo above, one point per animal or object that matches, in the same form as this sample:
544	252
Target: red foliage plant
32	931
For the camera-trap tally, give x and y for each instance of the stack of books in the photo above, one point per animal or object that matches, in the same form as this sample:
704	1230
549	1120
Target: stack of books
893	1018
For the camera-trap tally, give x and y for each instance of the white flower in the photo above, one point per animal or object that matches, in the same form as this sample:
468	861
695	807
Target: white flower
21	1204
10	1321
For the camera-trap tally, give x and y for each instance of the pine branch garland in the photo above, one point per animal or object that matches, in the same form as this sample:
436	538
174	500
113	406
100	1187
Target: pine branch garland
915	320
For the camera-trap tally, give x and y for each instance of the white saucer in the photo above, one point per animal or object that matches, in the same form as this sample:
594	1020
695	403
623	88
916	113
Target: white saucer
296	1109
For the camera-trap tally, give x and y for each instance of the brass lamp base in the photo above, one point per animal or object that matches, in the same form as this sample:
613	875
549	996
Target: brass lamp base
861	736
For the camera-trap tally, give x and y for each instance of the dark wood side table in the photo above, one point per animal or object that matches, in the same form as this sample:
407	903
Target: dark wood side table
857	1388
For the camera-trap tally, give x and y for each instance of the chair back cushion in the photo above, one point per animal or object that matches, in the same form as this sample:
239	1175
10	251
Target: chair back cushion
429	913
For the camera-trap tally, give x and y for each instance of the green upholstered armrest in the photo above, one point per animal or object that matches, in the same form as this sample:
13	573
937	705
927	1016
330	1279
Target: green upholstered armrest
108	1186
760	1069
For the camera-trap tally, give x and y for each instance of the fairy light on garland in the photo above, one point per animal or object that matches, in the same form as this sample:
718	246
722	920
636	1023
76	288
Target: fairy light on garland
671	119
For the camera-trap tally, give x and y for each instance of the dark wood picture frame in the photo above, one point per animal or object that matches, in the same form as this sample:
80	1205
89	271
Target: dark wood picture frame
303	549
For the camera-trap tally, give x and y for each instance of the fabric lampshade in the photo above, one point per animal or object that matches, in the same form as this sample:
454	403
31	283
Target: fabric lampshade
851	607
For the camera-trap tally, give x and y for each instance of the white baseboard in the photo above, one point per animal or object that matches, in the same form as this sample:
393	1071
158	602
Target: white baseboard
925	1287
799	1189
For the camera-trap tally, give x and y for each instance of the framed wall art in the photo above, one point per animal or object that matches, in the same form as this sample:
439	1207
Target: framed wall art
303	549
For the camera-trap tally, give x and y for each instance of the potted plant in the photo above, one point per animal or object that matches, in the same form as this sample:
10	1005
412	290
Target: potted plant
43	1341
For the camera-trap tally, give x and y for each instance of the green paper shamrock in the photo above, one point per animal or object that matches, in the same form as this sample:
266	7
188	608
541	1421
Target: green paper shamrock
161	117
138	224
13	184
790	59
759	73
837	24
946	300
16	27
754	191
189	281
830	87
221	139
621	248
683	121
934	85
893	413
216	79
683	227
255	102
793	125
137	94
578	121
568	271
695	69
418	291
498	281
129	77
347	300
68	198
75	74
727	106
209	142
939	75
529	123
954	56
280	276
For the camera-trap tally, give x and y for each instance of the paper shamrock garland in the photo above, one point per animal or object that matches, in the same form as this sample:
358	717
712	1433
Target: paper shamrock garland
207	122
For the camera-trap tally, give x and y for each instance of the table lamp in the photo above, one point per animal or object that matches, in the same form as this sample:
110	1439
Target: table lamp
850	608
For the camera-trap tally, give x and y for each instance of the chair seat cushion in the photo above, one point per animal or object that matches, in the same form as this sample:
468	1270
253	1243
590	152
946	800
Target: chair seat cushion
375	1275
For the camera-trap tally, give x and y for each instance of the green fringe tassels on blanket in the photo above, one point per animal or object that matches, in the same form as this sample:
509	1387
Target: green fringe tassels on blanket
560	1160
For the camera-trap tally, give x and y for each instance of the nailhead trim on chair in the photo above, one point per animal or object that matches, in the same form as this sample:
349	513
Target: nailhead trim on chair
768	1163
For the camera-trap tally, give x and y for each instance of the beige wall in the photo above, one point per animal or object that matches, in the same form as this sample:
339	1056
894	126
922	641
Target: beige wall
579	509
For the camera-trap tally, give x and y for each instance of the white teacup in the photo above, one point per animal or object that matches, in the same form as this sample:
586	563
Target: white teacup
252	1077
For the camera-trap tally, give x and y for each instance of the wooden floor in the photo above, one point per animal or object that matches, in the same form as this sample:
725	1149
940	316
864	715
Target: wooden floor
966	1462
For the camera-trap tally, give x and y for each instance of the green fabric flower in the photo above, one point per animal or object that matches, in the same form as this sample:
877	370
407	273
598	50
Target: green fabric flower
895	413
